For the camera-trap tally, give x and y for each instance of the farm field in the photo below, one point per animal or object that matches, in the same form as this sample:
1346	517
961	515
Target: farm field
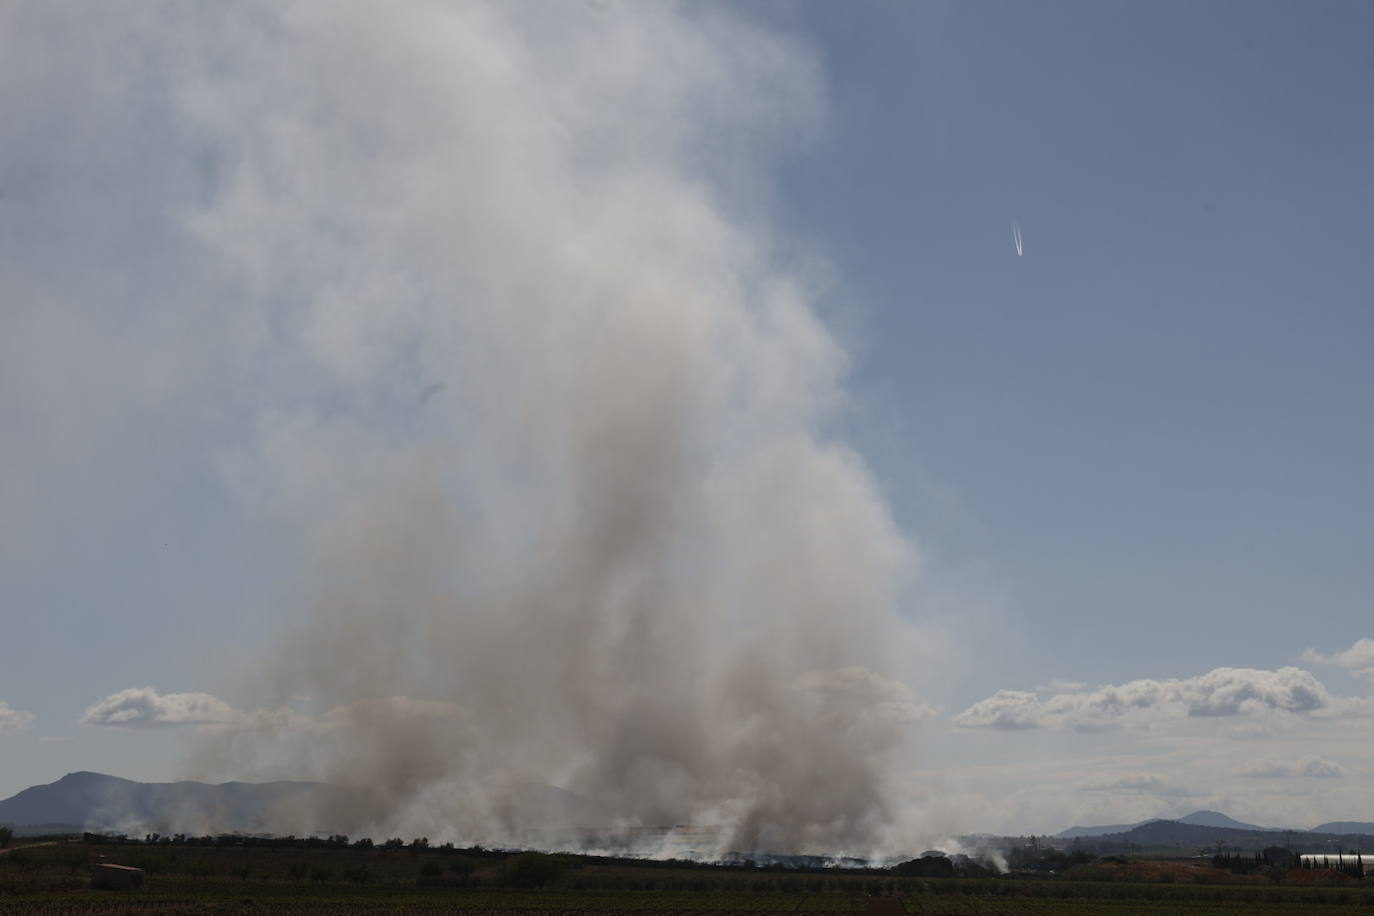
55	878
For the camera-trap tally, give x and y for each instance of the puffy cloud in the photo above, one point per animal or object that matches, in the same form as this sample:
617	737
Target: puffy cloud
13	719
1009	709
1236	691
1306	766
1220	692
1358	659
144	707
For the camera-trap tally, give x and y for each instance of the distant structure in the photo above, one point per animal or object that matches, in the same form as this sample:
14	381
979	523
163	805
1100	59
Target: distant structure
106	877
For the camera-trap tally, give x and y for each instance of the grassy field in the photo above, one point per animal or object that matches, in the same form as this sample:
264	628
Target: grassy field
55	879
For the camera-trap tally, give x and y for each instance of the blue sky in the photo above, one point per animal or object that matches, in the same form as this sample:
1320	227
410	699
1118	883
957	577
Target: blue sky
1137	453
1150	421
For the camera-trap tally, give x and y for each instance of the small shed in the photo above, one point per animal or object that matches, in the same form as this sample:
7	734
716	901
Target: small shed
116	877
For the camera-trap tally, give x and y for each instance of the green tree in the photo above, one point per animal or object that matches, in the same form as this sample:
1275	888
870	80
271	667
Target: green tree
533	869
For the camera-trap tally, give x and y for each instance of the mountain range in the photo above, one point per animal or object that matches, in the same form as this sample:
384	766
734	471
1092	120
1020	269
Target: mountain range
94	801
97	802
1217	820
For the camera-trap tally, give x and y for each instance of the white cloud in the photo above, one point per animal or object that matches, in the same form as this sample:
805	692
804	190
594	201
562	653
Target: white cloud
1358	659
1009	709
1306	766
1220	692
13	719
144	707
1238	691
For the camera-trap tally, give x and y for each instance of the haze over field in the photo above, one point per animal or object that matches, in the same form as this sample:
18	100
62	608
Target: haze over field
459	400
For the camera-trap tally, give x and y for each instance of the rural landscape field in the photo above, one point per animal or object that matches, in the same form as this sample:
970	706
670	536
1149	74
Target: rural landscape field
234	875
686	456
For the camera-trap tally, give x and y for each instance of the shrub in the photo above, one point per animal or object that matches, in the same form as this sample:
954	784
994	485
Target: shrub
74	859
533	869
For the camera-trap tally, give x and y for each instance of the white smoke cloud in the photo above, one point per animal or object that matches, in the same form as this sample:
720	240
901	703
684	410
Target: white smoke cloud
480	312
391	707
11	718
1220	692
853	692
1317	767
1358	659
144	707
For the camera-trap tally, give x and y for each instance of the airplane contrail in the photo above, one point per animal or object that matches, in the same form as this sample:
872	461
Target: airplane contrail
1016	237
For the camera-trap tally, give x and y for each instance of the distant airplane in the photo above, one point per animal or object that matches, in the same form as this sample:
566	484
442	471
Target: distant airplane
1016	237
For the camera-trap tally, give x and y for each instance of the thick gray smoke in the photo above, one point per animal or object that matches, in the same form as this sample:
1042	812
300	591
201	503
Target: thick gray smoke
548	407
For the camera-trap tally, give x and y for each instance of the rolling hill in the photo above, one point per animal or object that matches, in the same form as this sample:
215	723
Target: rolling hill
99	803
1101	830
1345	827
1217	819
94	801
1196	819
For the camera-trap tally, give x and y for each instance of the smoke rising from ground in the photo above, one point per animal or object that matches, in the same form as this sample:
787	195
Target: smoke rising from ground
495	306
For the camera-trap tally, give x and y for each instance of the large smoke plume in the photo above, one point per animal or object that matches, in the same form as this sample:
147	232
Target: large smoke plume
551	412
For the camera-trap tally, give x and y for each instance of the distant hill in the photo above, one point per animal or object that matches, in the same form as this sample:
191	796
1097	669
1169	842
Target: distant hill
1199	826
1344	827
1188	838
94	801
32	830
1217	819
1073	832
1196	819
